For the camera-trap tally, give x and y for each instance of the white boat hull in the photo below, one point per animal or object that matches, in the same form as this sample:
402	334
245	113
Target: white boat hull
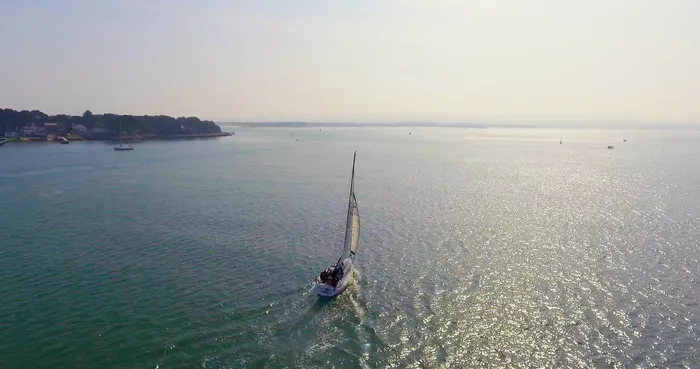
327	290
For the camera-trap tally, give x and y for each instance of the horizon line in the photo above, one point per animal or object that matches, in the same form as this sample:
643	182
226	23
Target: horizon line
466	124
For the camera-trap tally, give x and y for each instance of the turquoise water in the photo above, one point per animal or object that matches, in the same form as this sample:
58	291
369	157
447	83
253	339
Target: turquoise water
479	248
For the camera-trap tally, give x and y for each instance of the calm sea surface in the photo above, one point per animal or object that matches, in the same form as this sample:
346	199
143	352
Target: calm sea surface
493	248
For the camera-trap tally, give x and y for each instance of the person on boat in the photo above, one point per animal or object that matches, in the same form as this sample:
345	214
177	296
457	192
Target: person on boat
336	276
327	275
340	272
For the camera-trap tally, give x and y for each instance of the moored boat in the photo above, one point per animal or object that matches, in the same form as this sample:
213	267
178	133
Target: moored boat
121	146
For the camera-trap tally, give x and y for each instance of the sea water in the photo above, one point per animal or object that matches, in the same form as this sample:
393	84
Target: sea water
479	248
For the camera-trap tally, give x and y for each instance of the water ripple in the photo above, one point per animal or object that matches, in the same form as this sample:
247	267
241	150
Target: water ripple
503	253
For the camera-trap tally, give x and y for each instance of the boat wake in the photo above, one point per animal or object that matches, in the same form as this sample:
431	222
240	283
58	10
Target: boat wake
299	326
368	344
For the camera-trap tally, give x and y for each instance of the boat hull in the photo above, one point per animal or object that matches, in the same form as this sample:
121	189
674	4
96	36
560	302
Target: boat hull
325	290
123	149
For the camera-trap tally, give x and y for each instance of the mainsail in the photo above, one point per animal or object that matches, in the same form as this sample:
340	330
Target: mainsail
352	225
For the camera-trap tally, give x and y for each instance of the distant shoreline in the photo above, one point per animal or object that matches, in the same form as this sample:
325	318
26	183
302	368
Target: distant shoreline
35	125
126	138
568	126
329	125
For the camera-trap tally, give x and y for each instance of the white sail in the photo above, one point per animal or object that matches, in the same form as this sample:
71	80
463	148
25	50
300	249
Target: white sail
355	239
352	224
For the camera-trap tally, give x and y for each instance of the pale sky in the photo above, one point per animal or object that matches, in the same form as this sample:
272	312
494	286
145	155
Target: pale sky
358	60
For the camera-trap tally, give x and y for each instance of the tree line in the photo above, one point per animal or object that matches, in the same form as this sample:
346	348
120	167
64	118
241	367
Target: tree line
12	120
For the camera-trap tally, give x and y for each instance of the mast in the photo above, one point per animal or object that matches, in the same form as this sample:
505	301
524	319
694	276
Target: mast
352	180
348	222
120	132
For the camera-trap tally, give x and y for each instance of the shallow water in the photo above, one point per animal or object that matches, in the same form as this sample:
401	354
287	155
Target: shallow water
479	248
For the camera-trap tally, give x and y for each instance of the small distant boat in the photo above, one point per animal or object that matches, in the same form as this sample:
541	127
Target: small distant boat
611	147
121	146
560	142
625	140
334	279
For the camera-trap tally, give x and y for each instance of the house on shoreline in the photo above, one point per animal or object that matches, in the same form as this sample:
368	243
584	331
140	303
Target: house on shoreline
32	130
79	129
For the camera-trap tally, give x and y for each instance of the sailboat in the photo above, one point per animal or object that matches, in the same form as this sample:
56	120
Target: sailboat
121	146
334	279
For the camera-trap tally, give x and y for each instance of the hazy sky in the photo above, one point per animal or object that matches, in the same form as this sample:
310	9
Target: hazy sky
367	60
